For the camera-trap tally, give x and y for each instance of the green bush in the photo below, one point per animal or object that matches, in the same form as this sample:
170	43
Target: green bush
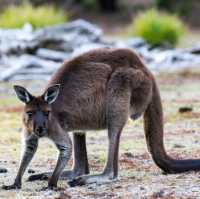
157	28
17	16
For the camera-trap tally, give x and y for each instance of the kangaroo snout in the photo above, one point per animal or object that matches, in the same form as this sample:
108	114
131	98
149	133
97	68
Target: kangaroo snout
40	131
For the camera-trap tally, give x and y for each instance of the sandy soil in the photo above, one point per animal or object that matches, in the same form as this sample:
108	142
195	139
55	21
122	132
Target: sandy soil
139	176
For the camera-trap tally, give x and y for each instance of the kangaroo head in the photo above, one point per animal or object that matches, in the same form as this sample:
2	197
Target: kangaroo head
37	110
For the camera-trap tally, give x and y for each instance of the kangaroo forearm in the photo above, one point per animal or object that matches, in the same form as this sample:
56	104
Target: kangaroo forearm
23	165
62	161
29	151
64	156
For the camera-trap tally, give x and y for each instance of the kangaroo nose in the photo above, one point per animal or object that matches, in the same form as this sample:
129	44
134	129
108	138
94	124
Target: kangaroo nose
39	130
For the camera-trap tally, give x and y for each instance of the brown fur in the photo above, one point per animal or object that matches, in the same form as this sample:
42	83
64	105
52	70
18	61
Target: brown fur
100	90
84	82
81	103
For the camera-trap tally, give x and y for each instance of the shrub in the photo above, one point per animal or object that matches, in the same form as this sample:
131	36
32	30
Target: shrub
157	28
17	16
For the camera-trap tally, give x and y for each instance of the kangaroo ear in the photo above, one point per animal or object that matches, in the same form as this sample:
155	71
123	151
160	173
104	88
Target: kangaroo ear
51	93
23	94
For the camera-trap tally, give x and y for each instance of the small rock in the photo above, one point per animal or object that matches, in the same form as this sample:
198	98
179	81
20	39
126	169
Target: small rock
159	194
31	171
129	155
3	170
178	146
142	188
185	109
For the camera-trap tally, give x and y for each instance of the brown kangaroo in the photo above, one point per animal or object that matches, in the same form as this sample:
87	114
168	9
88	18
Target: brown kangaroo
98	90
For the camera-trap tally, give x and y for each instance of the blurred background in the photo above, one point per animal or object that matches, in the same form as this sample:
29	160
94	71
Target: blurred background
114	16
36	36
39	35
122	12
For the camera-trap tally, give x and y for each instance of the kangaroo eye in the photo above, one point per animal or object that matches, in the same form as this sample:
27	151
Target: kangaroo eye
29	113
46	113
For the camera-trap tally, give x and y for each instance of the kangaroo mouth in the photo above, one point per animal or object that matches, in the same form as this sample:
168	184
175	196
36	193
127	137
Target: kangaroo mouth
41	133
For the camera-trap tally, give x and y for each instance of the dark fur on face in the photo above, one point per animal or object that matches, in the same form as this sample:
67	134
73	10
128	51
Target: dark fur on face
37	111
37	116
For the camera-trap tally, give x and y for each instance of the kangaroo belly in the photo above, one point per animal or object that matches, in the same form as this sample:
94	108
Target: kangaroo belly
83	98
85	113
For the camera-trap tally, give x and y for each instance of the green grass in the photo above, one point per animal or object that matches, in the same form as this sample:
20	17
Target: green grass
133	145
157	28
17	16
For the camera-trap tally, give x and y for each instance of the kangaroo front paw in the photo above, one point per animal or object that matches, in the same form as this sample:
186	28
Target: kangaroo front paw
42	176
10	187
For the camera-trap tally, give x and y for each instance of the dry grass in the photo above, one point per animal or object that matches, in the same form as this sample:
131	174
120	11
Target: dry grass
139	176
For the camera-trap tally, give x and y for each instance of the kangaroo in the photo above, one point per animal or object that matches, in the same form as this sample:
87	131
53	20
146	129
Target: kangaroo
100	89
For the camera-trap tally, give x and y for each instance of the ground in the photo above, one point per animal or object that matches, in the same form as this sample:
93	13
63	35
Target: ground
139	176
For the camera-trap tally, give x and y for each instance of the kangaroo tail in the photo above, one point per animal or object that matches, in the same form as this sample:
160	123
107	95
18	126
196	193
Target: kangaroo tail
153	125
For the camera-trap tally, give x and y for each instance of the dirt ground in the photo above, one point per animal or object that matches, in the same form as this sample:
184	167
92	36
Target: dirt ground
139	176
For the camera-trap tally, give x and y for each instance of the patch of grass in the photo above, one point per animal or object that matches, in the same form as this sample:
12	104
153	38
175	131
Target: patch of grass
10	136
10	124
133	145
17	16
9	101
157	28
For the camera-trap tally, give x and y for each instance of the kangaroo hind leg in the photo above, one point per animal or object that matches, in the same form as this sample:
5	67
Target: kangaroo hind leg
117	111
